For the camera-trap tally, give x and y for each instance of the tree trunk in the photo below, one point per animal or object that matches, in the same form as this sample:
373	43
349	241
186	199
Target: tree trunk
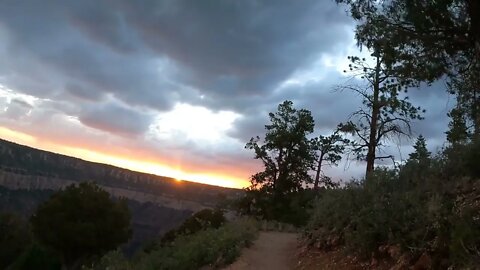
372	141
319	169
279	164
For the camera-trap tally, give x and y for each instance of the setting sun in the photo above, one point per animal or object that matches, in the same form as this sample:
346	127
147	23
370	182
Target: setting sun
133	164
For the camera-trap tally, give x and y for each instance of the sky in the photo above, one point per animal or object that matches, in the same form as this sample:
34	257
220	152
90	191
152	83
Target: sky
177	88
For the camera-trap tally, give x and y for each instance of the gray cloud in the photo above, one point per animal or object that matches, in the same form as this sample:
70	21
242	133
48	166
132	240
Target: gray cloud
222	48
113	65
116	119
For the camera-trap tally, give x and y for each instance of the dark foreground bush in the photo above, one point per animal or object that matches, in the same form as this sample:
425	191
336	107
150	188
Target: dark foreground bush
291	208
14	238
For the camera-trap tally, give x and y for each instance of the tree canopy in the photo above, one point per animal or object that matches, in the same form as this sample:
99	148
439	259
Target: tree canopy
385	112
80	222
286	152
328	151
423	39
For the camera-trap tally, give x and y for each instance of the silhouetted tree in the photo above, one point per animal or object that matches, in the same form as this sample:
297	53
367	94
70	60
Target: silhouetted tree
286	152
422	39
458	132
385	112
466	88
426	40
328	151
80	222
421	154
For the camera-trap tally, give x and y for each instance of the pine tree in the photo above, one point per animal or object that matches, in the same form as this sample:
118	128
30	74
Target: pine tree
421	154
458	133
385	112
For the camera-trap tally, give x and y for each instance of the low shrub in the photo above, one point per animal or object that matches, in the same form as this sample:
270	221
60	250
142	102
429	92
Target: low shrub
210	247
420	214
201	220
214	247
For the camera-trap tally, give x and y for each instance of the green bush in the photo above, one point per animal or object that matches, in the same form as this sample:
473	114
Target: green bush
201	220
425	211
81	222
209	247
213	247
113	260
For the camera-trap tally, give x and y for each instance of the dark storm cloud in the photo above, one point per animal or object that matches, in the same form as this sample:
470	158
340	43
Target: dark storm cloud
56	54
115	118
224	48
114	64
242	48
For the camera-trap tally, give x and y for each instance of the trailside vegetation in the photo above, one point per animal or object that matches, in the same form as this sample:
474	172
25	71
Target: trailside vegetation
81	222
211	247
420	210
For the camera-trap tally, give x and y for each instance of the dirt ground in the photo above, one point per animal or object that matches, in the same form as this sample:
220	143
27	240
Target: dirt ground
282	251
272	250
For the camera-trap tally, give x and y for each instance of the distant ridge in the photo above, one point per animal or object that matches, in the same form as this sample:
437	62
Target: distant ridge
24	167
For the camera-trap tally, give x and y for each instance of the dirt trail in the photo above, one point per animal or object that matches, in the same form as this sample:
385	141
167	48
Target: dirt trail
272	250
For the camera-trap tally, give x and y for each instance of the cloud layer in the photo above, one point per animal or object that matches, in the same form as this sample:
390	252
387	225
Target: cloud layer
110	75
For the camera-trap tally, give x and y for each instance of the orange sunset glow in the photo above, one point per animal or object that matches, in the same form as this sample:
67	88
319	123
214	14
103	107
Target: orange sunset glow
135	164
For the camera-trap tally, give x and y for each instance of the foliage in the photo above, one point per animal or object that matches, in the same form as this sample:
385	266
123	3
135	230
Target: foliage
328	151
211	247
385	113
14	238
423	39
37	257
285	152
112	260
465	124
463	160
277	193
294	208
419	208
458	133
80	222
201	220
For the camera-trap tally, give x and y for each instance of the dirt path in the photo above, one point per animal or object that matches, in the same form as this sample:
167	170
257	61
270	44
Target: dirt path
272	250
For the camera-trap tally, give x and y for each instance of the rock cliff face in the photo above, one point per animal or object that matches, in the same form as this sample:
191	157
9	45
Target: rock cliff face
26	168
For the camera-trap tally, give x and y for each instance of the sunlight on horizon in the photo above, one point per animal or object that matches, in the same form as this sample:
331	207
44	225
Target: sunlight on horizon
135	165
